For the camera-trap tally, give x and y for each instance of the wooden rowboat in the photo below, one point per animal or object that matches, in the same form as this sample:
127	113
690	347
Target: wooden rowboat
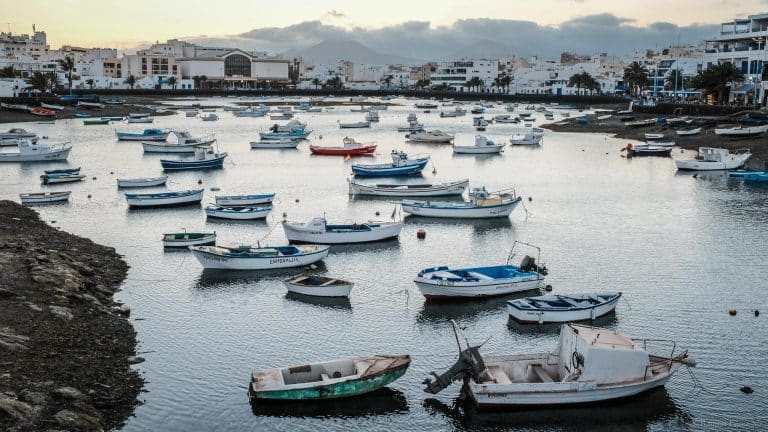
346	377
318	286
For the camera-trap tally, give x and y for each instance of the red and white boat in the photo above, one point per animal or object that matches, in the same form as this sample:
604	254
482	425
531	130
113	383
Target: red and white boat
43	112
350	148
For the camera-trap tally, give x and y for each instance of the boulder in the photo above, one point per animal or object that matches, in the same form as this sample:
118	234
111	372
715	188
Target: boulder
77	421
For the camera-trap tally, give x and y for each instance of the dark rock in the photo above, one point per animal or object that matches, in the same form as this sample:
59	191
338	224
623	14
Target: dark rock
77	421
6	293
70	393
21	411
61	312
11	341
33	397
135	360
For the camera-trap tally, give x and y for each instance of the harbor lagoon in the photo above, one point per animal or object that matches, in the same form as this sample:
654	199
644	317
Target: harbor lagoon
682	248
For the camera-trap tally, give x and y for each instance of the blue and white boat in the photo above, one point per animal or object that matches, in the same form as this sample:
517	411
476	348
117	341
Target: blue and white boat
164	199
63	171
756	177
239	213
244	200
481	205
740	173
474	282
298	134
205	158
257	257
557	308
146	135
80	115
185	143
318	230
401	165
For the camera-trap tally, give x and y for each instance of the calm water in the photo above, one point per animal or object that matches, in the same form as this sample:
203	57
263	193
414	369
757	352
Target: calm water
682	249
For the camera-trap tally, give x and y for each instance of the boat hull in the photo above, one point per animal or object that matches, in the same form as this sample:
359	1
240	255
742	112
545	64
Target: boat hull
696	165
320	291
447	290
186	242
455	188
274	145
41	198
246	200
378	171
122	136
62	154
487	212
549	316
215	261
296	234
341	151
140	200
478	150
141	182
170	165
238	215
150	147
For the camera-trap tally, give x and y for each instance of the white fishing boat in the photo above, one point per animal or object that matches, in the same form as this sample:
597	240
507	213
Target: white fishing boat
537	132
600	117
526	139
10	137
142	182
29	151
244	200
186	239
61	178
481	205
238	213
557	308
165	199
44	197
285	115
433	136
354	125
588	365
713	159
653	136
191	113
408	190
145	119
291	126
319	231
279	143
413	126
741	131
209	117
446	283
688	132
483	145
257	257
318	286
505	118
372	116
185	143
346	377
52	106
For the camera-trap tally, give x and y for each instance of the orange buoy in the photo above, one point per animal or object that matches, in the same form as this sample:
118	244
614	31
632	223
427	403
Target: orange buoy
421	233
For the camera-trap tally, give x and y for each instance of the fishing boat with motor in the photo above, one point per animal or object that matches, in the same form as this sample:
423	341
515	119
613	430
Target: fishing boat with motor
319	286
184	143
259	257
408	190
372	116
291	126
9	138
713	159
350	147
505	118
456	112
483	145
295	135
526	139
44	197
164	199
433	136
413	126
341	378
90	105
446	283
559	308
259	111
740	131
142	182
480	205
588	365
354	125
244	200
425	105
204	158
402	164
152	134
28	151
277	143
186	239
238	213
319	231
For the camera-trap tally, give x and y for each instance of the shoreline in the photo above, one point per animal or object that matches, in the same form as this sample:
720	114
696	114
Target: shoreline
65	350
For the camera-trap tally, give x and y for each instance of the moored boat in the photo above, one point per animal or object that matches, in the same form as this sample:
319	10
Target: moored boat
244	200
279	143
481	205
94	122
29	151
164	199
44	197
354	125
526	139
9	138
142	182
42	112
319	286
319	231
346	377
75	170
350	147
61	178
557	308
258	257
483	145
446	283
408	190
402	164
205	158
185	143
186	239
712	159
688	132
741	131
238	213
588	365
433	136
147	135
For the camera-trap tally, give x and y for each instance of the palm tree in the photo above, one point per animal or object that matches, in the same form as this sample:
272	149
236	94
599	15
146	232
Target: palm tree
577	80
424	83
636	76
476	82
316	82
90	83
7	72
506	80
675	80
334	83
131	81
203	79
172	82
67	64
497	83
41	82
388	81
716	78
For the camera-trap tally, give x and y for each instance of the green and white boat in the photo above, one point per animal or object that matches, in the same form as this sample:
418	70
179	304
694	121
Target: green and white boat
186	239
333	379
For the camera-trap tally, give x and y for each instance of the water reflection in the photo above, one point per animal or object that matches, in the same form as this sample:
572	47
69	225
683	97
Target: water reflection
327	302
608	321
382	401
633	414
380	246
465	310
211	278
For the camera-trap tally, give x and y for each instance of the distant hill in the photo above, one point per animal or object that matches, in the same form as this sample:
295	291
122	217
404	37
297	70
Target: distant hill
485	49
331	51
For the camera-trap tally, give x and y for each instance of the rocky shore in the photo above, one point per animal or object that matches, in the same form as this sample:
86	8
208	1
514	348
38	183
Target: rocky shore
132	105
706	138
65	346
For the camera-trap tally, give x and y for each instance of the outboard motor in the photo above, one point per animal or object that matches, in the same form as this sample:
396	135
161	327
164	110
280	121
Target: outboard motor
469	364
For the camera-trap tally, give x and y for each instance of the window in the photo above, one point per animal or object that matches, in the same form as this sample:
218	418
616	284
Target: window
237	64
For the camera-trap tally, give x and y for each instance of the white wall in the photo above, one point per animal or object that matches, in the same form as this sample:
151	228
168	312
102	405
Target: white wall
209	68
269	70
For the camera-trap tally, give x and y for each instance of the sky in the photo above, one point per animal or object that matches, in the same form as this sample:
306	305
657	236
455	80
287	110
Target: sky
137	23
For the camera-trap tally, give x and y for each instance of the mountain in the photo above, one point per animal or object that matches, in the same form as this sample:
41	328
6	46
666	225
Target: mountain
486	49
331	51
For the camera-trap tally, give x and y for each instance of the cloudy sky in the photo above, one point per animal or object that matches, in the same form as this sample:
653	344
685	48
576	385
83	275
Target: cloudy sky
417	29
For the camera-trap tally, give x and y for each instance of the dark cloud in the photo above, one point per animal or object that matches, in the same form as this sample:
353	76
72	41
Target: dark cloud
333	13
493	37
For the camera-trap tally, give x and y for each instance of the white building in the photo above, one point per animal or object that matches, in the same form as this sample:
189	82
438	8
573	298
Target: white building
457	73
235	68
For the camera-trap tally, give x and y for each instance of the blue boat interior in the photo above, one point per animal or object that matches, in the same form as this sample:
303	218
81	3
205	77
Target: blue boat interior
477	273
288	250
351	227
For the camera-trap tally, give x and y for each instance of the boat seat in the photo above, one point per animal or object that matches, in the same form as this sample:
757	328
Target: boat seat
541	373
498	375
324	376
329	282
